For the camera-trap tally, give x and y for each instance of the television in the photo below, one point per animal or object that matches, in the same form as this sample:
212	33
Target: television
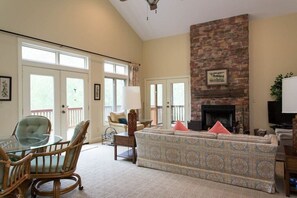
276	117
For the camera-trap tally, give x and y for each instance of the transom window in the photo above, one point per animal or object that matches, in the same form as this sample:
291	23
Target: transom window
115	68
42	54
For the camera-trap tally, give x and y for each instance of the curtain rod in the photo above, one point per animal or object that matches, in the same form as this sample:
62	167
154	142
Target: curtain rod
61	45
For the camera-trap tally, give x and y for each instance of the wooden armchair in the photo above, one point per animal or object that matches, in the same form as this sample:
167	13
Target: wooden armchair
57	163
13	174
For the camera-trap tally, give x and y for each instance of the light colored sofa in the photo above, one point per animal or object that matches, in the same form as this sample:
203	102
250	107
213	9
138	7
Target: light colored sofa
241	160
113	121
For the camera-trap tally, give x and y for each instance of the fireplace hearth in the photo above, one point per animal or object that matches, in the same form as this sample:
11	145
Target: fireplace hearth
213	113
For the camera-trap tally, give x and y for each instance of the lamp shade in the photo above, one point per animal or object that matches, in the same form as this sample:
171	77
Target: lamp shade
289	95
131	97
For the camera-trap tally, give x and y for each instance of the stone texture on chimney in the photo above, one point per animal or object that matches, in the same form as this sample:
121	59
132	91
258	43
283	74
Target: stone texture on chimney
221	44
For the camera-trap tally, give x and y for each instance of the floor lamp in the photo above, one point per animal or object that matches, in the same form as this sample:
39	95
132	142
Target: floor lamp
131	100
289	103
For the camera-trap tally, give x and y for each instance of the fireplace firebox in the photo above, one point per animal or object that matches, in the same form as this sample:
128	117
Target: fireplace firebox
213	113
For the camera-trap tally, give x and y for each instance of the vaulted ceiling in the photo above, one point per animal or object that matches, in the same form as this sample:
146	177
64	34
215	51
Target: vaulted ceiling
175	17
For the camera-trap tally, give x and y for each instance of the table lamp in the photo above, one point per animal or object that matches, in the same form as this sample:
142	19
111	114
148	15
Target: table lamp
131	100
289	103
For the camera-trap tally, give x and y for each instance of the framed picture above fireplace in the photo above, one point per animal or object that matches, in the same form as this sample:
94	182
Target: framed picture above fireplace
217	77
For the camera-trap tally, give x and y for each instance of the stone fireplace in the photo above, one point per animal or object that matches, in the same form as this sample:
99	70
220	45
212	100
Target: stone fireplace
223	113
221	45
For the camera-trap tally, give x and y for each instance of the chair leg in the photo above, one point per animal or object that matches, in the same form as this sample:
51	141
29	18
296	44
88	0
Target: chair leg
57	188
80	186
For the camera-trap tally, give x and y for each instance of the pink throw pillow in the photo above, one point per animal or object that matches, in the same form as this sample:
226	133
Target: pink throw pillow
179	126
219	128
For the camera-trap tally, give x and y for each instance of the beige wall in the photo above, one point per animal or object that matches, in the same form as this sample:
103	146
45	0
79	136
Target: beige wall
93	25
273	50
167	57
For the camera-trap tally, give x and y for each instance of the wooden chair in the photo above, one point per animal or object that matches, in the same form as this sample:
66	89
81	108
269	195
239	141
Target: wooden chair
13	174
58	163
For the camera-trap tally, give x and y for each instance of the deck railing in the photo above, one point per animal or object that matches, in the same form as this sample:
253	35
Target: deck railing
177	113
74	115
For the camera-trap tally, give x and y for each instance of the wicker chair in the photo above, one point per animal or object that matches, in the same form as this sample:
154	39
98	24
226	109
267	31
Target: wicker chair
30	126
13	174
58	163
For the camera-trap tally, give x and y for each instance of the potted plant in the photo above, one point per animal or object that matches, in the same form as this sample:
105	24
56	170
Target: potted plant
276	88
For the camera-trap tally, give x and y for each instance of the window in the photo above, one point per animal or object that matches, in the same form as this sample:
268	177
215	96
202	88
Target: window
72	61
32	54
114	81
42	54
116	69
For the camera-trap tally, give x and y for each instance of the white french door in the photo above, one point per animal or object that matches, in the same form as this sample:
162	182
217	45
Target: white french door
62	96
167	101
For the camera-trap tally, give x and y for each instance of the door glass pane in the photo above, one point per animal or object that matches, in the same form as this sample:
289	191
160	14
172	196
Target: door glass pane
178	103
75	104
42	96
119	93
160	104
156	104
108	97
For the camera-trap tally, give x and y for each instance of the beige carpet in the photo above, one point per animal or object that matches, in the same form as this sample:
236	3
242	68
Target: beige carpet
104	177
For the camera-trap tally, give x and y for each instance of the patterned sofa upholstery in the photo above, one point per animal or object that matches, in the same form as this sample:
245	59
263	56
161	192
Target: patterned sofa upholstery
246	161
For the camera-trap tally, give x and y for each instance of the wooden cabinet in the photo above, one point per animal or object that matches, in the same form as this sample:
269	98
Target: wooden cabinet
290	168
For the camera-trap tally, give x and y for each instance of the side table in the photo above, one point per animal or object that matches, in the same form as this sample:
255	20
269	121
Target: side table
290	168
146	122
123	139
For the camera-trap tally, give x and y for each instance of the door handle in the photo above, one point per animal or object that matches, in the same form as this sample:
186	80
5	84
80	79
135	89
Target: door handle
63	111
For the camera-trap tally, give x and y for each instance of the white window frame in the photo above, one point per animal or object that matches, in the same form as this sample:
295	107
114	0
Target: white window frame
115	77
57	51
47	47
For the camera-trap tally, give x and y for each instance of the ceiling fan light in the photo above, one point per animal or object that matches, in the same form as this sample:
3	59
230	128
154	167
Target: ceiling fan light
152	1
153	6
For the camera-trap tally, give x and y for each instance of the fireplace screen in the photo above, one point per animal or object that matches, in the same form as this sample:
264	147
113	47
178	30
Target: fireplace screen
213	113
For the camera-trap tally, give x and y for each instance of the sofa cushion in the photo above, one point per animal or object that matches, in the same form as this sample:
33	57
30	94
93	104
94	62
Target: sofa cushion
219	128
116	116
196	134
180	126
157	130
246	138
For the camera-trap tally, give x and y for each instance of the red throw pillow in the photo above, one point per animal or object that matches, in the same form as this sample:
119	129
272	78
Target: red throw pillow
219	128
179	126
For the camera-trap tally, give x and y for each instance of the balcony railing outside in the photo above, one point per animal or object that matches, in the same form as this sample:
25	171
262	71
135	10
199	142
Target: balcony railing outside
74	115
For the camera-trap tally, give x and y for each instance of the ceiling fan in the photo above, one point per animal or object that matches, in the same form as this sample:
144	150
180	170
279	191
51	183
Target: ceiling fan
152	3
